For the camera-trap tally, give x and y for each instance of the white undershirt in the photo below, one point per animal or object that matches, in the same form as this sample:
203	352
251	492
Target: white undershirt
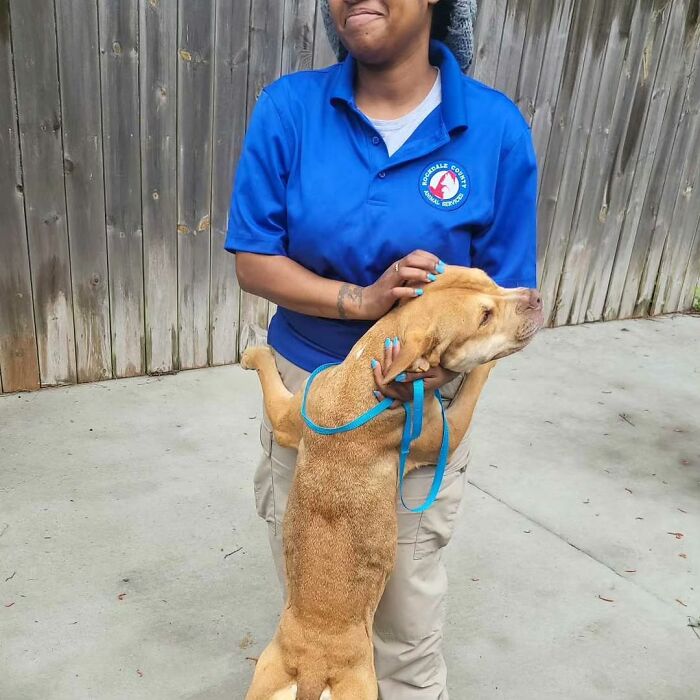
396	132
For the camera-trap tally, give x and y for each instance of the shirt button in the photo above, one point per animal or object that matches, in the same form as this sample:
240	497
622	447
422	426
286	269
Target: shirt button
376	140
382	174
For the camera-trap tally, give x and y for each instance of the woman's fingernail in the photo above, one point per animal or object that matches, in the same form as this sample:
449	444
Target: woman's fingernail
396	341
431	277
378	396
401	377
419	292
374	364
440	267
387	343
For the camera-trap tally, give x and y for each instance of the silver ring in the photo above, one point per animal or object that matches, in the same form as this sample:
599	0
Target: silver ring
396	267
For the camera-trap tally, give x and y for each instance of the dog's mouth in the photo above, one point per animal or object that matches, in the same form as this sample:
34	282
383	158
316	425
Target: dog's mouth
505	353
531	325
527	331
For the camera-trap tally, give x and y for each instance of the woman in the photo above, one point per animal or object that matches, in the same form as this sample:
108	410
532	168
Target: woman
348	176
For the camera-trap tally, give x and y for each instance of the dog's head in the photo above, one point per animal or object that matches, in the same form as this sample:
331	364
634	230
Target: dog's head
463	320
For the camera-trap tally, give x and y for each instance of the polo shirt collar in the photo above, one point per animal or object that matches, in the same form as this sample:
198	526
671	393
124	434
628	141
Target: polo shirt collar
454	107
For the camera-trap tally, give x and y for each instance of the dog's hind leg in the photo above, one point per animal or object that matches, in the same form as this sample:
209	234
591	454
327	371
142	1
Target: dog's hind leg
282	407
358	683
271	680
459	417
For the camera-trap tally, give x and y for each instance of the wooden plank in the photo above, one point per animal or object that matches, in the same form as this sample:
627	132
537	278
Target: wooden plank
266	29
599	197
323	54
36	74
230	85
686	209
629	136
266	36
662	197
19	365
691	283
539	28
194	123
639	280
298	45
649	155
79	68
550	80
488	32
119	49
158	95
569	141
512	44
554	118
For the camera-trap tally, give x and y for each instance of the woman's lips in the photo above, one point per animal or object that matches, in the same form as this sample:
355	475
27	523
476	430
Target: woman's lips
361	18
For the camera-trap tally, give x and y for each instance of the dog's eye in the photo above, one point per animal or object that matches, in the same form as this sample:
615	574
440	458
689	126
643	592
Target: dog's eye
486	317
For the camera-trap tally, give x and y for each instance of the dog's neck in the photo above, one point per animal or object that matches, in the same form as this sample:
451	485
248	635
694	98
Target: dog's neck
352	383
372	345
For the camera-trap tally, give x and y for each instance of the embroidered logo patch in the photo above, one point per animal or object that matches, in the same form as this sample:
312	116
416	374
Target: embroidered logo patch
445	185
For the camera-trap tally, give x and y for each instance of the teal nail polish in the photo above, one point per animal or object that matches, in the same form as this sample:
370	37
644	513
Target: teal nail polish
431	277
401	377
396	341
374	364
419	292
440	268
387	343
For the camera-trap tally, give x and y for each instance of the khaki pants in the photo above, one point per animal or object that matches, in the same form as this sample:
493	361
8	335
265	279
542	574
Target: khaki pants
410	618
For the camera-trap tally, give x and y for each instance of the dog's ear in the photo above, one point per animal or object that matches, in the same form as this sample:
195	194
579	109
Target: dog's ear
416	345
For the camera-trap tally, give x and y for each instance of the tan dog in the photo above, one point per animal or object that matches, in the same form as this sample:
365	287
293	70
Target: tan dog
340	528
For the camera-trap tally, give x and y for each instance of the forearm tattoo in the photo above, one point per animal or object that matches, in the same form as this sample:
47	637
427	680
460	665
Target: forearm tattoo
348	292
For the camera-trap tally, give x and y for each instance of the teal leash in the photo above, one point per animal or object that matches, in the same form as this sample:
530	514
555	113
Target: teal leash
412	429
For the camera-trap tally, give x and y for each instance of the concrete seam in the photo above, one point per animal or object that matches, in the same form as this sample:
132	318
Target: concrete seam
576	547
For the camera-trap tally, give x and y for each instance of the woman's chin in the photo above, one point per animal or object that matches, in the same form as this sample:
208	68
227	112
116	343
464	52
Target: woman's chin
370	48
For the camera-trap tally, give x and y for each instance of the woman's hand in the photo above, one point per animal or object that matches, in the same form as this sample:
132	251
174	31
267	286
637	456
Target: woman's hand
402	391
405	279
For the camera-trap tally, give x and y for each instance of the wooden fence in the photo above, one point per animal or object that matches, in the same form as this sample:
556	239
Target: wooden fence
121	122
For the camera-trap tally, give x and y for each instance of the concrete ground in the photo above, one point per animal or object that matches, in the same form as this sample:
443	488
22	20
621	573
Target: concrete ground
132	564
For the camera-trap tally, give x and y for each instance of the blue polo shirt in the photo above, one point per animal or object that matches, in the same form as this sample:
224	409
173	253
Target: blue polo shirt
315	183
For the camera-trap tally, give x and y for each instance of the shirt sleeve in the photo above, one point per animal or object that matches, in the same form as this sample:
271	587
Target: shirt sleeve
507	250
258	216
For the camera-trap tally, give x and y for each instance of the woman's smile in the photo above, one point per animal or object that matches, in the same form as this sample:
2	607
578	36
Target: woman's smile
360	16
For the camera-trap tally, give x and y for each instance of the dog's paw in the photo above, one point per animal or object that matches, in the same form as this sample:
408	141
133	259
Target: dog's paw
420	365
248	359
255	357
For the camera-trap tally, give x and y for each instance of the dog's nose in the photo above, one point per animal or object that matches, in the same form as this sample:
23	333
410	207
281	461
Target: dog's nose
535	300
529	301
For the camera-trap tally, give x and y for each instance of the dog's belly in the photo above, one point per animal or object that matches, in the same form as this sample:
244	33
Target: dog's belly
340	538
342	568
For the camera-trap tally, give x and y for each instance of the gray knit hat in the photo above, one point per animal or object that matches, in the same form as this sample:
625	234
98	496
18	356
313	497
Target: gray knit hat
458	32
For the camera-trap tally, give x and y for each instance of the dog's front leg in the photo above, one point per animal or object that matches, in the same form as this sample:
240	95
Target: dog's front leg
282	407
459	417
